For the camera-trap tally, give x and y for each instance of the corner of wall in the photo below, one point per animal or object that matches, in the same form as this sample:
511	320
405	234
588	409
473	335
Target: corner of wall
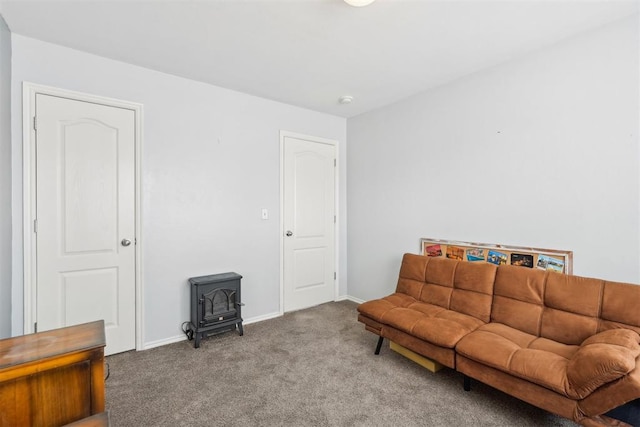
5	180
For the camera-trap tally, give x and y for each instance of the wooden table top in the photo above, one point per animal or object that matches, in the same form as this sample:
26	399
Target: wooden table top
28	348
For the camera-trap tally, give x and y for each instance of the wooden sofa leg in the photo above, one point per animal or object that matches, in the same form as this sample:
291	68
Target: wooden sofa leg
467	383
379	345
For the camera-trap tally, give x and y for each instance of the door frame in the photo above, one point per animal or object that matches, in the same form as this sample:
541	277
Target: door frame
29	92
336	246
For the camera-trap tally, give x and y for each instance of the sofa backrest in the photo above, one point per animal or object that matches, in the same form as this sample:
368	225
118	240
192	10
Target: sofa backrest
572	305
518	298
620	306
472	292
412	273
560	307
465	287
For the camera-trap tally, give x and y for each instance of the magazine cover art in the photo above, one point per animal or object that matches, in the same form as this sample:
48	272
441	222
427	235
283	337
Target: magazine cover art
497	258
549	263
475	254
455	252
433	250
522	260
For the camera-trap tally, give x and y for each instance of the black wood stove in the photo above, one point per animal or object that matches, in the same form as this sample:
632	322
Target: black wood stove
215	305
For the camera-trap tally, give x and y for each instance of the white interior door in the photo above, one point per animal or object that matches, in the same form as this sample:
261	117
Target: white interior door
309	223
85	217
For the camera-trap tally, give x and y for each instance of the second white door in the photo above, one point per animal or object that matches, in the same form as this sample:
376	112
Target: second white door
85	217
309	222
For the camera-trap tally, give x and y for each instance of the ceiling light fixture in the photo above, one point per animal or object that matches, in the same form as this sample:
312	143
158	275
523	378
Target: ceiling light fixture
346	99
358	3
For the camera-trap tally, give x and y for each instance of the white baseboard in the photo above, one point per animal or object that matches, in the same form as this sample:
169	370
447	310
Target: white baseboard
182	337
261	318
350	298
165	341
256	319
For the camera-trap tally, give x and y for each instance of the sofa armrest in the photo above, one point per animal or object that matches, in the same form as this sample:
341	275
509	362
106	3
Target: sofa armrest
602	358
621	337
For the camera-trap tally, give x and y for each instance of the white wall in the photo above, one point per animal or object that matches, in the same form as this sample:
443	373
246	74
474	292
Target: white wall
542	152
210	163
5	180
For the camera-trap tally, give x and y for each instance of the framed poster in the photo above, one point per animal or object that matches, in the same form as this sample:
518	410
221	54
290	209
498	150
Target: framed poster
560	261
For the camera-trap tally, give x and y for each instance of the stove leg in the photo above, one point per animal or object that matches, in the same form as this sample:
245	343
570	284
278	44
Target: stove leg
198	338
240	330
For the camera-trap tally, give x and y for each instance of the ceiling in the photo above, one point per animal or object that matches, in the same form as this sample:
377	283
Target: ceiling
310	52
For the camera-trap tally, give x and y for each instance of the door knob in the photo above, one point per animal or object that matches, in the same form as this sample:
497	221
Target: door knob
289	233
125	242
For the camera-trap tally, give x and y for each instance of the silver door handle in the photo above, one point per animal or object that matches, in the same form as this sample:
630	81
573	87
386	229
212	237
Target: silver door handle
125	242
289	233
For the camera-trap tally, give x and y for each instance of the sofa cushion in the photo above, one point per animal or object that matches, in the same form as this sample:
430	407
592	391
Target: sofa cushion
518	299
445	328
431	323
602	358
376	309
574	371
560	293
572	304
620	302
517	314
566	351
518	353
473	289
439	277
412	275
494	344
621	337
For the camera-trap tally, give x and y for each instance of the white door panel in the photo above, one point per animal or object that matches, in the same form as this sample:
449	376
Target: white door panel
90	169
97	289
310	266
309	214
85	207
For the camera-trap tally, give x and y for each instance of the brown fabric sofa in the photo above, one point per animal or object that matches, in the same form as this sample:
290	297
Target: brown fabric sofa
567	344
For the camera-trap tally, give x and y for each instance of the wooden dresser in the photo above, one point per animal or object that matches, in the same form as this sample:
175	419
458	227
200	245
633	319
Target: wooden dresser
52	378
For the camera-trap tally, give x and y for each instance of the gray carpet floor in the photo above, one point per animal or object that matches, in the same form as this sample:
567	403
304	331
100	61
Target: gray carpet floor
313	367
